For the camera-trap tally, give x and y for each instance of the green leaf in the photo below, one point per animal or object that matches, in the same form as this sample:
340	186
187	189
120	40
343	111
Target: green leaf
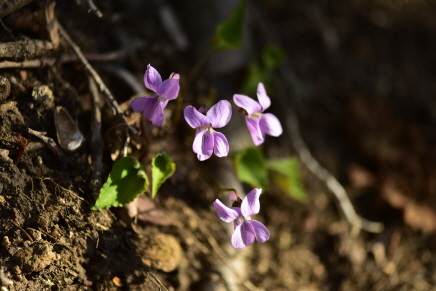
250	167
162	167
272	56
125	182
255	75
286	173
228	34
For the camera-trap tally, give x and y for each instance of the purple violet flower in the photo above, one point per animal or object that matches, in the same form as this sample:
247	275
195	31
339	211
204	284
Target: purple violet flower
153	106
259	124
207	141
246	229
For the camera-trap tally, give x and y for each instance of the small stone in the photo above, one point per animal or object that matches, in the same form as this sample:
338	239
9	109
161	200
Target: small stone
6	243
42	93
68	133
163	252
16	270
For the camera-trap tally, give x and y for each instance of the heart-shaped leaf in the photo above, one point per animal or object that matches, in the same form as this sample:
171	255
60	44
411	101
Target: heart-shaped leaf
125	182
162	167
286	173
250	167
228	34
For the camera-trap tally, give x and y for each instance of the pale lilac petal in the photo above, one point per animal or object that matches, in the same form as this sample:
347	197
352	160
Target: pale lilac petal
264	100
254	128
226	214
153	110
152	78
169	89
233	196
219	114
251	205
270	124
138	104
262	233
221	145
203	110
203	145
243	236
198	139
238	222
246	103
194	118
175	76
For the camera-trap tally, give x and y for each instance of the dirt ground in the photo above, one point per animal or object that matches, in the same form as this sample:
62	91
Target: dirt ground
359	75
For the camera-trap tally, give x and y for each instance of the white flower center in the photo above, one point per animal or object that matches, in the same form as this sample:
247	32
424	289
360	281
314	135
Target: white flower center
256	115
201	128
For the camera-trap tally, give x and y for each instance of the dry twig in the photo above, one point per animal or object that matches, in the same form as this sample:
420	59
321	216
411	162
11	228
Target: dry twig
9	6
94	9
156	281
25	49
97	139
48	141
47	62
22	230
332	183
101	85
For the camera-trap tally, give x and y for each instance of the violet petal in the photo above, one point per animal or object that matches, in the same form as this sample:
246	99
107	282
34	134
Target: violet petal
262	233
233	196
153	110
226	214
243	235
219	114
203	110
264	100
251	205
253	126
169	89
138	104
270	124
152	78
198	139
246	103
194	118
238	222
221	145
203	145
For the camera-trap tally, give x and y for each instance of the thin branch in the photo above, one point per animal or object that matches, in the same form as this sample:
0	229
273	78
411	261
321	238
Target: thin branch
126	76
332	183
103	88
156	281
48	141
97	139
110	98
9	6
93	8
48	62
25	49
22	230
